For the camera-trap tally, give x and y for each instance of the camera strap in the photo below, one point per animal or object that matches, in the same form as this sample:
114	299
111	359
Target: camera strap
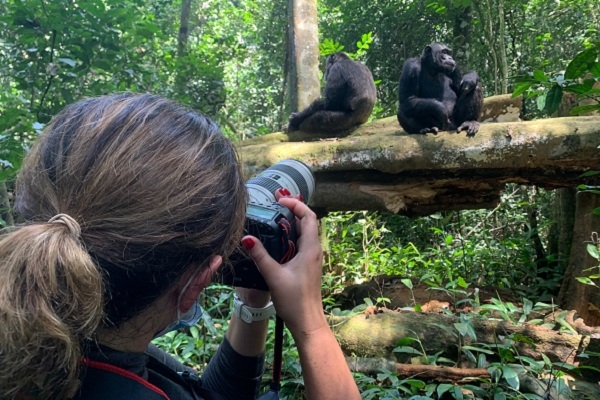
273	393
288	244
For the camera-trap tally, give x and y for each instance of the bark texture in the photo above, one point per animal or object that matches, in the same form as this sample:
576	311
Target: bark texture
377	335
304	53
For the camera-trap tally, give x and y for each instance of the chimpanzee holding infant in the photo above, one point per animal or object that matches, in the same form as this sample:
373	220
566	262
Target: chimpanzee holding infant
434	96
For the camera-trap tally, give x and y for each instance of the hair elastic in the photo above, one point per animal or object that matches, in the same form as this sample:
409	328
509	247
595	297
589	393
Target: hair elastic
65	219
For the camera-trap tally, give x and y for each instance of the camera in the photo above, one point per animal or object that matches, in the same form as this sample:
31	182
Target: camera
273	224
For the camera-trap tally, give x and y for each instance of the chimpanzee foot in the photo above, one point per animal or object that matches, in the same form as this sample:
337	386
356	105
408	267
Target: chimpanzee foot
433	129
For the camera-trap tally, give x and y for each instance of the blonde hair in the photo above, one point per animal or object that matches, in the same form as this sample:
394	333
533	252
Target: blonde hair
155	189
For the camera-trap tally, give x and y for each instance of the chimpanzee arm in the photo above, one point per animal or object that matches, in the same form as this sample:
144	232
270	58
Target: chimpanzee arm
410	101
469	104
468	83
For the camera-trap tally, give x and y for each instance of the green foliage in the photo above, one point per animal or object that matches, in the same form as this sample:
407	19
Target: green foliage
446	251
231	68
592	249
579	78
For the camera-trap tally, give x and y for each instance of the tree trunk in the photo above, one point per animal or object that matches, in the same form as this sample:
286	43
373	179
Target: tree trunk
502	47
184	21
574	295
561	231
182	39
461	43
304	54
484	12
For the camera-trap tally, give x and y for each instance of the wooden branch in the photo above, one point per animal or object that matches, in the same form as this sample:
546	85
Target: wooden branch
373	366
380	167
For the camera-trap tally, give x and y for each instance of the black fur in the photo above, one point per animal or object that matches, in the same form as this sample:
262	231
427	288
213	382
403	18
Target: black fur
434	96
348	100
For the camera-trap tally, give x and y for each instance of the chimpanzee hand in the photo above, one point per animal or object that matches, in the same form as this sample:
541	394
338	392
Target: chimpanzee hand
468	83
471	127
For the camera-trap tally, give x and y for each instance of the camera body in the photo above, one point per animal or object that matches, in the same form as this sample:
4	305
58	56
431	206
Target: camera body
273	224
262	221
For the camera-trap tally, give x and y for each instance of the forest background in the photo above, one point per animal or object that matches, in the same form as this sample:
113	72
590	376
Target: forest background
228	59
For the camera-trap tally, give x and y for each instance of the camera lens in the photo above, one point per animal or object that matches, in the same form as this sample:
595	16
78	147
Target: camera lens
291	174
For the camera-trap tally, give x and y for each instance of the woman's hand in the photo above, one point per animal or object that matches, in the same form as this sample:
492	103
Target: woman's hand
296	285
296	291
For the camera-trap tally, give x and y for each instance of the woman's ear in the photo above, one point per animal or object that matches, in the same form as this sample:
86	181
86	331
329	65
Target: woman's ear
198	282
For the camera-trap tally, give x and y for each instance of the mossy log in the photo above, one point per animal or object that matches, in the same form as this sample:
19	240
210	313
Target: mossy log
377	335
380	167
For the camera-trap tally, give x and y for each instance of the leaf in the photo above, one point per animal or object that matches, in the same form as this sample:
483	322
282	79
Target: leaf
462	283
511	377
521	88
581	89
592	250
414	383
449	239
527	306
407	283
581	64
553	99
585	280
407	349
584	109
481	360
405	341
541	101
458	395
446	329
589	173
443	388
478	349
540	75
67	61
595	69
462	328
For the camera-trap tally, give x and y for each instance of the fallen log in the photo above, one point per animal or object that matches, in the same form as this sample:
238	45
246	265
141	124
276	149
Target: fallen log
377	335
380	167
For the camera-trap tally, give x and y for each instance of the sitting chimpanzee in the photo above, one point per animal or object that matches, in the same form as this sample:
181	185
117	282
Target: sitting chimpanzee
348	101
434	96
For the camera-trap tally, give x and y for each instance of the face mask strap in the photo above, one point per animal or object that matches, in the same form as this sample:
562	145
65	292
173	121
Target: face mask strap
181	294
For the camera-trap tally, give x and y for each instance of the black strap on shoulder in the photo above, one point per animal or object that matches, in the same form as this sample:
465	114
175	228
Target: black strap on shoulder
184	378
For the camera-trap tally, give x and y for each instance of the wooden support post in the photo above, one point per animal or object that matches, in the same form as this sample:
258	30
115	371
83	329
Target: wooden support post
304	53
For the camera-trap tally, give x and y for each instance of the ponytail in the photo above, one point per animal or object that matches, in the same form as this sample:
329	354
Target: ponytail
50	301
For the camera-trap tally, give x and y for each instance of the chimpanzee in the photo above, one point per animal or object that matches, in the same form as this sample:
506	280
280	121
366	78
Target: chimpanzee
348	101
434	96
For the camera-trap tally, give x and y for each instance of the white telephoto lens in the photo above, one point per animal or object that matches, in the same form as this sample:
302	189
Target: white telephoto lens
291	174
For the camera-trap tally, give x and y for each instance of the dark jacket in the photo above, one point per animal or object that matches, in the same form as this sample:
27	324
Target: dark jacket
155	375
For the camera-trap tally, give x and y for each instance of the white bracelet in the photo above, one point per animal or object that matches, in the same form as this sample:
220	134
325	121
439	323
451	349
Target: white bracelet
251	314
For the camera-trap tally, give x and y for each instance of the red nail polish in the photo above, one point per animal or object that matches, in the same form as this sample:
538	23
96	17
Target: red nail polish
285	192
300	197
248	243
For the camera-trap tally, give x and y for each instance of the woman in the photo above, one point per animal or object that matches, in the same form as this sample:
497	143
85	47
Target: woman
130	204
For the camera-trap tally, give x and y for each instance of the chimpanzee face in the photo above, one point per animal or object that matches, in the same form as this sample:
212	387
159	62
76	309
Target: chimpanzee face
445	59
440	57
